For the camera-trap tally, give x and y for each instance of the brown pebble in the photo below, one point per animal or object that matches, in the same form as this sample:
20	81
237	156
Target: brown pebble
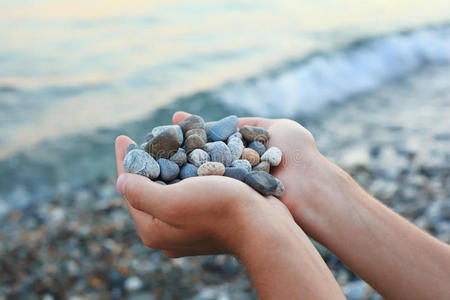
194	142
251	155
253	133
262	166
192	122
163	145
197	131
211	168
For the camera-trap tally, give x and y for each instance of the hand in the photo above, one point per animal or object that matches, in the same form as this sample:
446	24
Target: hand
200	215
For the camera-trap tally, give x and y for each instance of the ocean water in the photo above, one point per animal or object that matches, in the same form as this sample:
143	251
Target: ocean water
73	74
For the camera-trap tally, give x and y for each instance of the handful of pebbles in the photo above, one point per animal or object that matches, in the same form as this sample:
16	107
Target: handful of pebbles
194	148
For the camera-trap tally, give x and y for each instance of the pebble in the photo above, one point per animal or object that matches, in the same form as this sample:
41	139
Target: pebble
279	191
143	146
208	126
264	183
236	135
133	284
258	147
211	168
192	122
262	166
164	145
253	133
221	153
197	131
160	129
180	157
169	169
251	155
198	157
242	163
236	147
140	162
149	136
160	182
193	142
236	173
273	155
224	128
131	146
188	170
176	180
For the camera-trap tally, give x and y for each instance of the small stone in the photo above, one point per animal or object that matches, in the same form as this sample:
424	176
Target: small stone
209	146
236	135
242	163
251	155
133	284
221	153
263	183
188	170
160	129
198	157
180	158
160	182
165	144
258	147
169	169
174	181
149	136
140	162
143	146
197	131
224	128
192	122
236	147
211	168
262	166
236	173
280	188
208	126
193	142
253	133
273	155
131	146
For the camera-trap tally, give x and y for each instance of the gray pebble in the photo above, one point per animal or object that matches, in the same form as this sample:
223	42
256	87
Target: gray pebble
273	155
180	158
209	146
236	147
224	128
140	162
198	157
221	153
188	170
169	169
160	182
258	147
236	173
262	166
131	146
149	136
280	188
192	122
242	163
264	183
143	146
236	135
159	129
208	126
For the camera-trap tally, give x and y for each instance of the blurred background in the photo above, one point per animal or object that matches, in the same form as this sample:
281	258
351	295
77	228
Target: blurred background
370	79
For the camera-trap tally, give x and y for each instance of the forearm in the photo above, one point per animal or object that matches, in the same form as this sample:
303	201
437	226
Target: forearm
285	265
383	248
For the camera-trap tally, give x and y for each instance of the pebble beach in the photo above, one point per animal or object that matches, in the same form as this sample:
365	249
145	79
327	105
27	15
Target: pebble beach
82	243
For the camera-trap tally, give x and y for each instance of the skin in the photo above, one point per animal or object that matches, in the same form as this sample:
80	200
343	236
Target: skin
396	258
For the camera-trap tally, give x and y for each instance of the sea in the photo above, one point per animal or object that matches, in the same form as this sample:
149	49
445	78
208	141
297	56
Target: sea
74	74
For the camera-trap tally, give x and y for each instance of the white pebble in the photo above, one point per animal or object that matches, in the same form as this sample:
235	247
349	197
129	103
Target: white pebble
198	157
273	156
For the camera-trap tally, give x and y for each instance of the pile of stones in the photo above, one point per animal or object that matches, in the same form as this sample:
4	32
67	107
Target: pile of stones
194	148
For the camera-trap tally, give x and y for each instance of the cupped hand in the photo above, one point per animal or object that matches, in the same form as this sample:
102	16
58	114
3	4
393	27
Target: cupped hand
199	215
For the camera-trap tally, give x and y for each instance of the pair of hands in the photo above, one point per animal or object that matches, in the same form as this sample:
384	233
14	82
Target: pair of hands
217	214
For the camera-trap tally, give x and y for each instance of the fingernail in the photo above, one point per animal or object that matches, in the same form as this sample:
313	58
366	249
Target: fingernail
122	183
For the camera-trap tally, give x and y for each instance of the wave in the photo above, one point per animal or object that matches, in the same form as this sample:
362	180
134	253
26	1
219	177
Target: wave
307	85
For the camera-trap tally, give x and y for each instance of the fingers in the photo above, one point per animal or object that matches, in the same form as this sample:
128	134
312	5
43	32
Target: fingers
122	142
179	116
253	121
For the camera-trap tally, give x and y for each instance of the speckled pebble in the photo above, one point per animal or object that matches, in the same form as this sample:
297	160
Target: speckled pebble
279	191
236	147
262	166
211	168
140	162
251	155
258	147
193	142
149	136
159	129
131	146
188	170
273	155
264	183
197	131
192	122
242	163
143	146
253	133
198	157
236	173
169	169
164	145
224	128
208	126
221	153
180	158
236	135
160	182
